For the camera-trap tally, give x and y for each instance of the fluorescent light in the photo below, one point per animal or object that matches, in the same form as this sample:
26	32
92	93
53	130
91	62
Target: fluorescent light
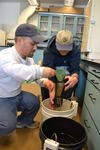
69	3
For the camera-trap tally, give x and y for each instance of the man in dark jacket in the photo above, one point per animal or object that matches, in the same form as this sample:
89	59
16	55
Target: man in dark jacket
62	52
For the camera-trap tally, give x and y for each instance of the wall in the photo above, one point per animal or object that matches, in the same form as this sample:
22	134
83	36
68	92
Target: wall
9	13
93	42
94	36
34	19
86	27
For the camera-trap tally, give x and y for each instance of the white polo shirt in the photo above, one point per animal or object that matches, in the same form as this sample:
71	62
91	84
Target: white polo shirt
14	70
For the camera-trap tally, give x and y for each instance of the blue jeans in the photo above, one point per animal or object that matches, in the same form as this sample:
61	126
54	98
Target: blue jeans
25	102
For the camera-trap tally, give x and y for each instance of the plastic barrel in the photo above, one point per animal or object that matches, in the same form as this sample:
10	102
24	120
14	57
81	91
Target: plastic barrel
70	134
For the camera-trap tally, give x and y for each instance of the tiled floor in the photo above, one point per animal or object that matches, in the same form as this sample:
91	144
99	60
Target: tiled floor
27	139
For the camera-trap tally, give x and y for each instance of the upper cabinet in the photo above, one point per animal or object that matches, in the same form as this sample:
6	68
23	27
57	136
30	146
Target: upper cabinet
50	23
43	24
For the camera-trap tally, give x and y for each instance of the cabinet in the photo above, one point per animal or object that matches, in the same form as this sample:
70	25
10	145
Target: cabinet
50	23
75	24
91	108
92	132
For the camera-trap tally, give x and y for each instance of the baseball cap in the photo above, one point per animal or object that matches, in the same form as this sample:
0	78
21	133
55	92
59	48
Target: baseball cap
29	30
64	40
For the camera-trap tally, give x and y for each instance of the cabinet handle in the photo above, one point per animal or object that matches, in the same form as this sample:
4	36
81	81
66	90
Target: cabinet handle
96	71
86	125
92	98
93	81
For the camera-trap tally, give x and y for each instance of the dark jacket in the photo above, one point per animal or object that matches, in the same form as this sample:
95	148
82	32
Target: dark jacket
53	59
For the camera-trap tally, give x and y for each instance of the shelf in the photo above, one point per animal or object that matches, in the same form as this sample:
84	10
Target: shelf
43	30
43	21
80	24
54	30
55	22
79	33
69	23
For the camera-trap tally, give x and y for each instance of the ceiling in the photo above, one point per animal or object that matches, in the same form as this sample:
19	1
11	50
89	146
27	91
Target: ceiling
77	3
80	3
4	1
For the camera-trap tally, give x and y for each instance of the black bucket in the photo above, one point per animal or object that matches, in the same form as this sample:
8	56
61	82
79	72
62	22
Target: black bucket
70	134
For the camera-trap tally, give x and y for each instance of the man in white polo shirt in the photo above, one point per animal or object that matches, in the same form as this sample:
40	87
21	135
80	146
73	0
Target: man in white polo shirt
17	66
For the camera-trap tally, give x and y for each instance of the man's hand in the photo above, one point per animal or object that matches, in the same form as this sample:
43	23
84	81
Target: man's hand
51	87
48	72
71	82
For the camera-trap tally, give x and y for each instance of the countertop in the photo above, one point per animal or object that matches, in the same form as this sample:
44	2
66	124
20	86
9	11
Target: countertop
85	63
96	61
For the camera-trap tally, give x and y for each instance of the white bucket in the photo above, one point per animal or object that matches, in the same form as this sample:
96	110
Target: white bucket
69	110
